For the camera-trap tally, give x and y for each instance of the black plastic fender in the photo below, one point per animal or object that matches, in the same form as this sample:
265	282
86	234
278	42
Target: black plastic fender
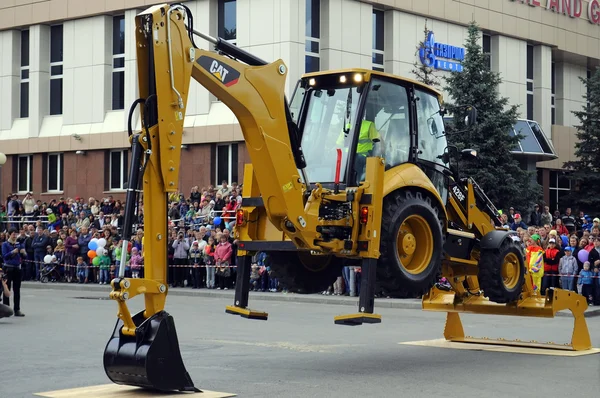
493	239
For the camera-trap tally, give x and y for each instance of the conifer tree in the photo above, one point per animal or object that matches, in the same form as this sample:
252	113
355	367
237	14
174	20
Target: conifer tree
495	169
585	171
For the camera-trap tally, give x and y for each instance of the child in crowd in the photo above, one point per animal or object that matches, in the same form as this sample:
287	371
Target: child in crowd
254	277
584	283
209	261
82	270
223	253
552	257
196	256
104	265
535	262
59	253
568	270
135	262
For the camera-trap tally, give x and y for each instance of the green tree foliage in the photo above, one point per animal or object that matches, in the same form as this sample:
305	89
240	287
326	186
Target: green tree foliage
495	169
423	73
585	171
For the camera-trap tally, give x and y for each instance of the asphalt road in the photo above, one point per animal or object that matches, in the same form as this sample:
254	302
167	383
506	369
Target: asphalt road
298	352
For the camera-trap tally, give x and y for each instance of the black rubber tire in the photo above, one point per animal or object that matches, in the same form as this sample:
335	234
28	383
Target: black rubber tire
393	280
490	277
300	272
44	279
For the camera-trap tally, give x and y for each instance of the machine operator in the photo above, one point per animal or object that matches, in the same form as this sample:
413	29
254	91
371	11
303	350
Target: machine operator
366	140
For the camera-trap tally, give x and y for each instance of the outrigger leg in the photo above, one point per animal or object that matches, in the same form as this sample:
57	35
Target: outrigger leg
242	290
366	301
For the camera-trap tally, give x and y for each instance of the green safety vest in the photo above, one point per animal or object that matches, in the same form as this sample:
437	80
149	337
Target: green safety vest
368	135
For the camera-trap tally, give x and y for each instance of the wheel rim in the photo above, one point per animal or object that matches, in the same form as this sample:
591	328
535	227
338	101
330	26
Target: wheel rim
414	244
510	271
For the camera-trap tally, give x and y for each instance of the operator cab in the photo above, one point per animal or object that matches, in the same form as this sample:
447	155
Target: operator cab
368	113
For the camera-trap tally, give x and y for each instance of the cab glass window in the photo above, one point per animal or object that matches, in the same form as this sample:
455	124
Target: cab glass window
327	127
431	138
387	106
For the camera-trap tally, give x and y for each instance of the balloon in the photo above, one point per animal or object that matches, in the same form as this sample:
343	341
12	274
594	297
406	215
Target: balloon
48	259
565	240
93	245
96	261
217	220
583	255
100	251
95	240
91	254
101	242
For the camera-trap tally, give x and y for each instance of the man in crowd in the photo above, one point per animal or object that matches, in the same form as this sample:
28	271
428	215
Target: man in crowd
568	220
13	253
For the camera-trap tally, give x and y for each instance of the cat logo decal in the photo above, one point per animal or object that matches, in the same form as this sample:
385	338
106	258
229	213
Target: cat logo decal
226	74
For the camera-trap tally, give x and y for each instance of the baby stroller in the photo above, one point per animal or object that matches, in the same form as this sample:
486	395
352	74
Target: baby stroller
50	272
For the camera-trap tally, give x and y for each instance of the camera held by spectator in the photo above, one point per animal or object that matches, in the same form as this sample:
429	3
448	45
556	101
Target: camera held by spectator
5	310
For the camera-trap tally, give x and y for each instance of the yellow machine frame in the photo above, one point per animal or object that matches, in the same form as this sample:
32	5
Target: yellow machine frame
167	59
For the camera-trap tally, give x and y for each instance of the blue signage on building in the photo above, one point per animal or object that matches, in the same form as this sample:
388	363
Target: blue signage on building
441	56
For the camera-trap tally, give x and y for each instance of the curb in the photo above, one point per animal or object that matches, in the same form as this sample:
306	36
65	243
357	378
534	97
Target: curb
591	312
407	304
412	304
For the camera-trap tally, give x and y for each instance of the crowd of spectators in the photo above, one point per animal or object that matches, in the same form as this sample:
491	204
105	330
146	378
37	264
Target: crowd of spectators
75	240
79	241
560	250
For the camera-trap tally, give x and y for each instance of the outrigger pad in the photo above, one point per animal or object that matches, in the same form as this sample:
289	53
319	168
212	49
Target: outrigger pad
150	359
246	313
357	319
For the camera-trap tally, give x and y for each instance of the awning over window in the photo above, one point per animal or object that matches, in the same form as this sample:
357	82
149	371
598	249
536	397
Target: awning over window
534	142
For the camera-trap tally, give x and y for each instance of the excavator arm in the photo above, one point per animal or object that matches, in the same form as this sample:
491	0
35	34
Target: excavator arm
143	350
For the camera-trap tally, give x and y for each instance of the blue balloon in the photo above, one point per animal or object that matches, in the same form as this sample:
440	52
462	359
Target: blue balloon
217	220
565	240
93	246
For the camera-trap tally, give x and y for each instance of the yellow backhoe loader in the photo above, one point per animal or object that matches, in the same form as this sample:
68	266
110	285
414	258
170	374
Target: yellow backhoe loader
354	170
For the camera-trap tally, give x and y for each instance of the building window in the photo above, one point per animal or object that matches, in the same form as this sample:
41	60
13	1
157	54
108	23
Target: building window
530	82
24	110
487	50
553	97
312	61
378	41
118	169
56	69
118	75
54	182
227	20
226	163
559	187
24	173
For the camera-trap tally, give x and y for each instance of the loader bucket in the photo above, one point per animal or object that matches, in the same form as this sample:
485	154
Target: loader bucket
150	359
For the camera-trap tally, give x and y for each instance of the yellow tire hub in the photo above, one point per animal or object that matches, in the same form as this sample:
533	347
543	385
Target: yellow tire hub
510	271
414	244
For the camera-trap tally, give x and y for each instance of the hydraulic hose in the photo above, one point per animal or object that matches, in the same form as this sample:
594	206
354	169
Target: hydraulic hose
131	198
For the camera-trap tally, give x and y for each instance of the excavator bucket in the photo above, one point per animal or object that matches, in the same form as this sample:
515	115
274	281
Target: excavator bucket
150	359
